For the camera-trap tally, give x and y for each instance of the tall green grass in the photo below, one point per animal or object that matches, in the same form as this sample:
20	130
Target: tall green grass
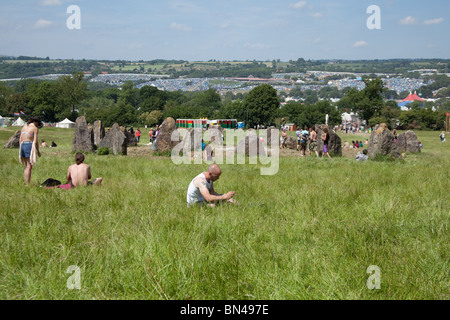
309	232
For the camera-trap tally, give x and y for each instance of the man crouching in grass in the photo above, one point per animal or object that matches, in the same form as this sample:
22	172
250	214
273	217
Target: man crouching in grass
79	174
201	189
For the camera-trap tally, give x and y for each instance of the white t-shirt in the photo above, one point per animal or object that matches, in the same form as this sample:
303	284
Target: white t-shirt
193	194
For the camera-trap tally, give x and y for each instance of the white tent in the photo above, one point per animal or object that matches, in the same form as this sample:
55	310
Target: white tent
19	123
66	123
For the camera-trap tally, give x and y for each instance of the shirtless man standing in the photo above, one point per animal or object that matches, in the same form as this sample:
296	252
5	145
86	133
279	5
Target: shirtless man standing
201	188
313	142
79	174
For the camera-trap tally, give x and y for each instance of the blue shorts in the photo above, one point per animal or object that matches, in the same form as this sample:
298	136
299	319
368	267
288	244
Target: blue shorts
25	149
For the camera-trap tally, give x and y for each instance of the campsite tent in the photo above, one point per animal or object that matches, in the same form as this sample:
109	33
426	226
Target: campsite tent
66	123
19	123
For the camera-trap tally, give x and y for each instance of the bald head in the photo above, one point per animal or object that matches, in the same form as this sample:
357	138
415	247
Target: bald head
215	169
214	172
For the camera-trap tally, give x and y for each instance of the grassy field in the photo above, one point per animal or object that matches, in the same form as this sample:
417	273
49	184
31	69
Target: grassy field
309	232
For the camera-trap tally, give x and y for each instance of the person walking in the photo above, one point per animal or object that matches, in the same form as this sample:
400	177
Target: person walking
326	140
29	146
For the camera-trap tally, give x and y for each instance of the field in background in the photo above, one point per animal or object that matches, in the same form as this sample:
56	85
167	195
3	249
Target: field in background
309	232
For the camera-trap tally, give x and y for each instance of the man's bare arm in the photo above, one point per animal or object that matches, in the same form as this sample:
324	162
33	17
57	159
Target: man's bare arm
201	185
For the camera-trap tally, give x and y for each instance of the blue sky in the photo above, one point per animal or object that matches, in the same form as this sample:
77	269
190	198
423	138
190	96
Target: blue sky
225	30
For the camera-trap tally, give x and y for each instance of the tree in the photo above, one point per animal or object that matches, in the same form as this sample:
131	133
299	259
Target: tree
152	118
152	103
71	91
18	102
96	108
5	92
130	94
44	101
368	102
261	104
310	97
122	113
233	110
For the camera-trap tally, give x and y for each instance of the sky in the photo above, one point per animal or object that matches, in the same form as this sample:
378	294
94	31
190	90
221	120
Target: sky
200	30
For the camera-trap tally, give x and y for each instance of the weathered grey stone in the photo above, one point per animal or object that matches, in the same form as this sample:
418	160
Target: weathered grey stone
13	142
164	141
192	139
216	134
382	142
83	140
407	142
334	144
115	140
251	146
131	138
269	137
99	132
209	154
291	143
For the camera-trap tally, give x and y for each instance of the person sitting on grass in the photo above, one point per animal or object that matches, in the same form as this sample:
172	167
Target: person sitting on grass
362	156
201	189
79	174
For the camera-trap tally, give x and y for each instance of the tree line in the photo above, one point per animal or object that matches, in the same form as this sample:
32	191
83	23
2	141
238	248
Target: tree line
72	96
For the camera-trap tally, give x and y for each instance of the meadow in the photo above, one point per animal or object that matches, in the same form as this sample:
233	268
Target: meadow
309	232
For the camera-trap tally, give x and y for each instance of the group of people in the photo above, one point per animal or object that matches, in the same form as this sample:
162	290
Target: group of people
45	145
355	144
77	175
307	140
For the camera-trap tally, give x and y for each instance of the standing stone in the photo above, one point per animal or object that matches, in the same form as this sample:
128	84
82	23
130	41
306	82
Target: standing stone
13	142
84	137
164	141
216	134
407	142
192	139
382	142
269	137
131	138
251	146
291	142
334	144
99	132
115	140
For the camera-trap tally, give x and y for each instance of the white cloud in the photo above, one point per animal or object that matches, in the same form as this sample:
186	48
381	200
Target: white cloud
224	25
50	3
316	15
359	44
317	40
42	23
298	5
408	21
180	27
434	21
